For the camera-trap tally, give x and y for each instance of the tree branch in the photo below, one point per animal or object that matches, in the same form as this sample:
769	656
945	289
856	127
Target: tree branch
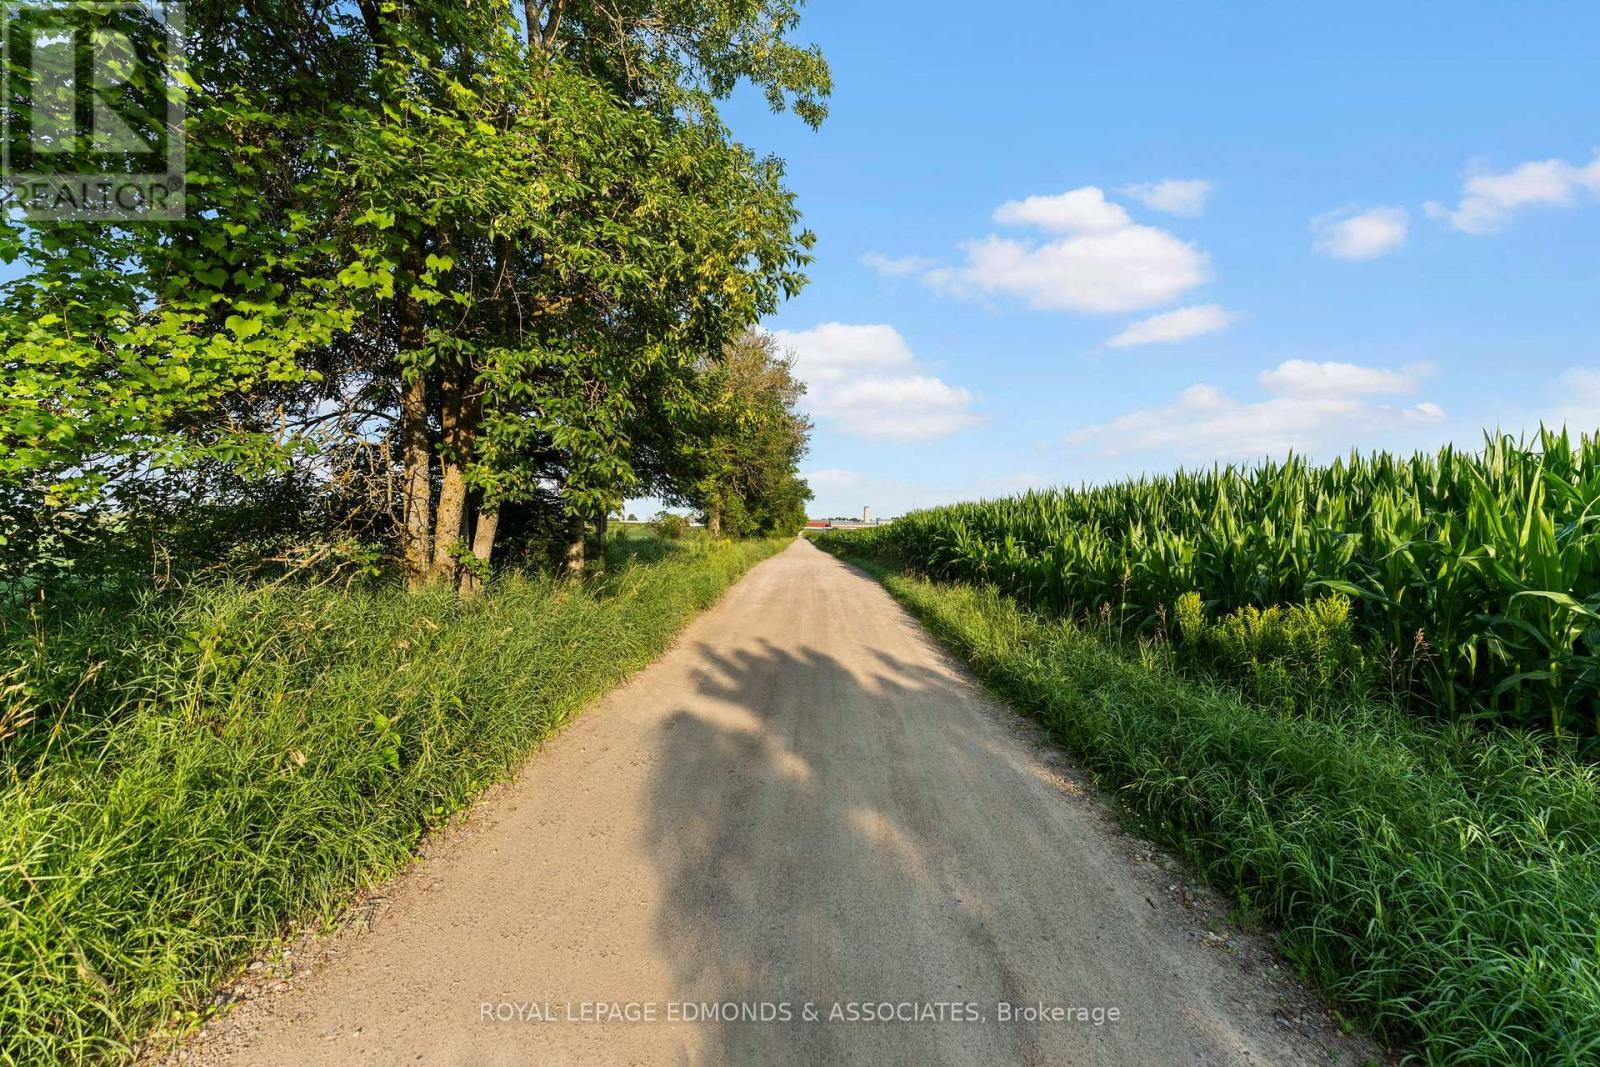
552	24
544	22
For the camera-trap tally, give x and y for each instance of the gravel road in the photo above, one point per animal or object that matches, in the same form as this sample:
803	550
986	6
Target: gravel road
805	806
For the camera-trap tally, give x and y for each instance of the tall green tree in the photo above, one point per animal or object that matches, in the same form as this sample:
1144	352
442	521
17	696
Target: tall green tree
738	467
496	237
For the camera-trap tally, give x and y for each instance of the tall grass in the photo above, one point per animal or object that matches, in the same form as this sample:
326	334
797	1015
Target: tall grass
201	771
1442	883
1479	573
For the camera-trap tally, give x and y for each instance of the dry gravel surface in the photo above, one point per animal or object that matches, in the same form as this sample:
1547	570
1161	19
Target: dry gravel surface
804	819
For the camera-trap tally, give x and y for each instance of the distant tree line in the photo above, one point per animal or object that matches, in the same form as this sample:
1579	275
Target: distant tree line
457	277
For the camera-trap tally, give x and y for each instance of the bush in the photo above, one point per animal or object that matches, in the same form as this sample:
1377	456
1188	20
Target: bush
1295	657
670	526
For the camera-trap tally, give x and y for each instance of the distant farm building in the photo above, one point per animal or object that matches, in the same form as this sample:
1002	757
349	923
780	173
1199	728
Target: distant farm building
847	522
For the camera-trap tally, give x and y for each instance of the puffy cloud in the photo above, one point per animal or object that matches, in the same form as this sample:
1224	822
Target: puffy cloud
1311	408
1301	377
1083	210
1356	234
1172	326
865	380
896	266
1130	269
1171	196
907	408
1093	258
1488	200
836	351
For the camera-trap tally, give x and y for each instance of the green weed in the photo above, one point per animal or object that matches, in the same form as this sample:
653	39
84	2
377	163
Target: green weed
1442	883
188	777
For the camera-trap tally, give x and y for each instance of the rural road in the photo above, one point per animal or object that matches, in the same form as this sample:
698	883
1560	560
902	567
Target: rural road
806	802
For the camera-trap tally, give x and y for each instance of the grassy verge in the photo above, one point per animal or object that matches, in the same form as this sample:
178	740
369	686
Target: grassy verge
203	771
1444	884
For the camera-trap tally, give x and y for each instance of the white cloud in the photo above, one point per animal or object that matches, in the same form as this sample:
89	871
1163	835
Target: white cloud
1172	196
1311	408
1130	269
1094	258
1356	234
1301	377
1488	200
1425	412
835	352
906	409
1084	210
1171	326
896	266
866	381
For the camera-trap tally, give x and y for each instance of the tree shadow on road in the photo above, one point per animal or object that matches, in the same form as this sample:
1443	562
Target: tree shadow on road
815	863
844	818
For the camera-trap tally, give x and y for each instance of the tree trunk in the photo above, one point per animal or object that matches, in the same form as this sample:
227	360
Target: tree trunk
417	493
543	21
602	524
483	540
482	549
451	522
575	546
714	522
452	516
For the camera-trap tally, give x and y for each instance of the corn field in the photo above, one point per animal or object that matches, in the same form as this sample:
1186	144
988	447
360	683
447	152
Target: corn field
1476	575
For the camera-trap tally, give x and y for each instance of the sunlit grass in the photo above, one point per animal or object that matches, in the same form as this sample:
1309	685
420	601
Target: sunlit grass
1441	883
203	770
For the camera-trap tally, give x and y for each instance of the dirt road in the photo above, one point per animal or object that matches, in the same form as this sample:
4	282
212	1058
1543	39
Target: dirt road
804	803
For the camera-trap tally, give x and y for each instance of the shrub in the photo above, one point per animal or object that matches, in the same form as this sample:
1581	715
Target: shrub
1293	657
670	526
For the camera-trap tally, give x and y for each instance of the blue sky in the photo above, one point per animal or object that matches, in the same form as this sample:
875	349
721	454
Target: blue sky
988	200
